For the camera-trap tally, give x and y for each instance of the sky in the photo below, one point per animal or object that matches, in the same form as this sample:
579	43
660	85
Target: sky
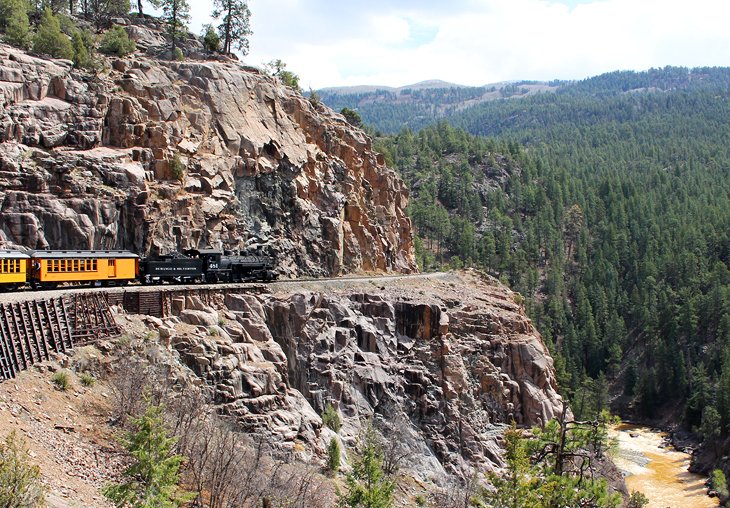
477	42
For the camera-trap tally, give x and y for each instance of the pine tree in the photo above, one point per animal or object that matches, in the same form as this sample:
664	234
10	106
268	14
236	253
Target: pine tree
101	11
547	468
83	45
723	394
516	488
235	27
367	485
211	39
333	455
50	40
20	484
176	14
15	23
153	477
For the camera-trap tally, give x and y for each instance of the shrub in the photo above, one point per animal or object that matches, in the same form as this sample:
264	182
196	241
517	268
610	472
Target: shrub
290	79
61	380
116	42
178	55
211	39
277	68
637	500
352	117
20	484
331	418
49	39
367	484
719	484
84	50
87	380
177	168
333	455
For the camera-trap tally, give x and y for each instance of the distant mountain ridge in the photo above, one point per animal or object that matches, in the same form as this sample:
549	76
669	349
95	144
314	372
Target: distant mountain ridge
389	109
421	85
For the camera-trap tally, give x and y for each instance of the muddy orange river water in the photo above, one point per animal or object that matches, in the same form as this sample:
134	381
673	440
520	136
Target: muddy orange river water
658	470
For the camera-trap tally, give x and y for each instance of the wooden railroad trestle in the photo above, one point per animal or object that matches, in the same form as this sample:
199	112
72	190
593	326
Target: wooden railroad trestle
31	331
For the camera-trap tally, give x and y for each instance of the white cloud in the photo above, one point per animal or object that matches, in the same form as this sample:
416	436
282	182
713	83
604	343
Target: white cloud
332	43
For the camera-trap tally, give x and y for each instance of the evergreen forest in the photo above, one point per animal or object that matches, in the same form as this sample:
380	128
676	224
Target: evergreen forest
606	204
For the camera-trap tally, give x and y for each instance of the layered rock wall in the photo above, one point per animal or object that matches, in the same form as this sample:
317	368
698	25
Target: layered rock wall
156	156
442	368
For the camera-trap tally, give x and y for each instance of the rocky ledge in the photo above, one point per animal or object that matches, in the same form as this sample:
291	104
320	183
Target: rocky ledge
442	363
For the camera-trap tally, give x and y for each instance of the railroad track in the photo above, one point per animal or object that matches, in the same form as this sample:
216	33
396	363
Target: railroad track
35	325
29	294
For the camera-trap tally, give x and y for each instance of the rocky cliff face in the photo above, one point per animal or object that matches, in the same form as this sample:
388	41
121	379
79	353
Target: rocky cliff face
441	363
87	162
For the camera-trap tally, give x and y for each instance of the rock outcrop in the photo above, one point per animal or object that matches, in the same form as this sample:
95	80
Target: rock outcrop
442	363
156	156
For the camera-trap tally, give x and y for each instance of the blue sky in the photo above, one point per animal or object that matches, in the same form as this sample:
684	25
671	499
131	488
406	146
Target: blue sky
477	42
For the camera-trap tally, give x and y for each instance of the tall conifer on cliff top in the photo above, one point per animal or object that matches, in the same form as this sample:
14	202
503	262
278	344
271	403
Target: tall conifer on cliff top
176	14
235	27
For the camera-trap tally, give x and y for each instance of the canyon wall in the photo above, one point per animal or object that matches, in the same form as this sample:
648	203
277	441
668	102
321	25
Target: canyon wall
155	156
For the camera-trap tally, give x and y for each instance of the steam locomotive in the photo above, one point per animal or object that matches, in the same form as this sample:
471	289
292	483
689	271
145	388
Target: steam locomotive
49	268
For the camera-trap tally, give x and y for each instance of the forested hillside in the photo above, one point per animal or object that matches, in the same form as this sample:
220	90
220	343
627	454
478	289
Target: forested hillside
388	110
610	211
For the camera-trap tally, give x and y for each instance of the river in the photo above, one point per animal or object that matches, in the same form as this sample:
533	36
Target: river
658	470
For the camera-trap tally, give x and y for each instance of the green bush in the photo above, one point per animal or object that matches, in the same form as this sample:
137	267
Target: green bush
211	39
178	55
331	418
177	168
290	79
367	484
333	455
50	40
352	117
84	45
116	42
719	484
637	500
20	484
15	23
62	380
277	68
87	380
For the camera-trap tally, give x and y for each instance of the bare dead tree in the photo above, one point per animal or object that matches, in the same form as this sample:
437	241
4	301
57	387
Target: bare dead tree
394	442
456	494
129	382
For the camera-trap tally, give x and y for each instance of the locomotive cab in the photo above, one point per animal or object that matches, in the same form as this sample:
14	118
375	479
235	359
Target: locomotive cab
214	266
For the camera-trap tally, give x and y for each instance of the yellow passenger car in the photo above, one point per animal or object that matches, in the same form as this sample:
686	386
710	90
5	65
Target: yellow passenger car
13	269
52	267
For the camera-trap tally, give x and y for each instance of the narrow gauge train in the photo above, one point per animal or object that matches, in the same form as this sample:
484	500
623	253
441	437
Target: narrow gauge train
49	268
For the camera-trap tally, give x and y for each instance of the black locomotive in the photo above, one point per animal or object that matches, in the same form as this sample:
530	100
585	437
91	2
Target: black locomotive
206	265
